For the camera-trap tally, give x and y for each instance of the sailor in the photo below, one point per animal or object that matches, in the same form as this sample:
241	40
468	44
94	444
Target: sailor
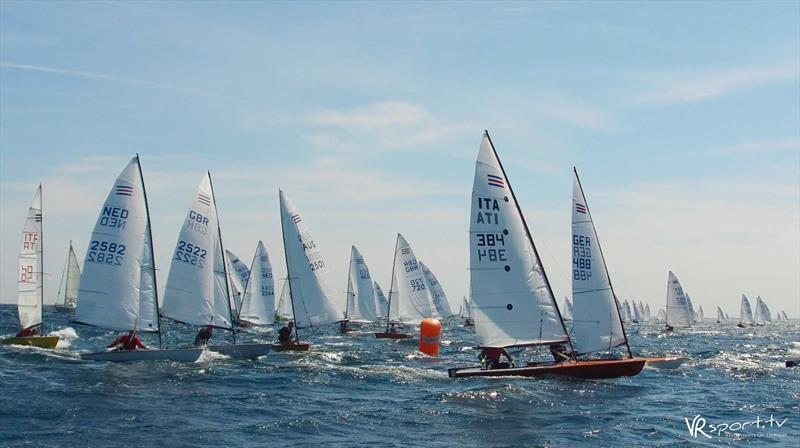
490	357
393	328
128	342
343	326
28	332
203	336
669	328
285	334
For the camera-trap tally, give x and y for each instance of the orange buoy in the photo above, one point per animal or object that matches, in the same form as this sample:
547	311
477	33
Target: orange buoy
429	332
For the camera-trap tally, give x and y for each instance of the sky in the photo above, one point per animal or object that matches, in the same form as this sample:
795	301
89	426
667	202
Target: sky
682	118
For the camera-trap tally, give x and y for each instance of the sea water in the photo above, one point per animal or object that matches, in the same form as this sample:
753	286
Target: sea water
355	390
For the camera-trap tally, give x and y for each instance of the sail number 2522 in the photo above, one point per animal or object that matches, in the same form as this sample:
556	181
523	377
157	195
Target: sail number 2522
190	253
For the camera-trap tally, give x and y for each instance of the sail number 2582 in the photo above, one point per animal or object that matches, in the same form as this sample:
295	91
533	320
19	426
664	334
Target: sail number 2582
490	241
105	253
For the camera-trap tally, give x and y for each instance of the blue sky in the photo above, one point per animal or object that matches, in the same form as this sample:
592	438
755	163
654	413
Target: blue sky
682	118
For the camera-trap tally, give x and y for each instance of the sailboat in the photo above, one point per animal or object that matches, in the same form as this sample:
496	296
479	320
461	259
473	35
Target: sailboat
637	316
784	316
30	283
283	310
762	312
678	307
239	274
70	282
118	289
466	314
438	297
745	313
409	298
692	314
360	307
700	314
661	316
720	315
381	302
258	304
197	291
307	277
512	301
628	313
647	314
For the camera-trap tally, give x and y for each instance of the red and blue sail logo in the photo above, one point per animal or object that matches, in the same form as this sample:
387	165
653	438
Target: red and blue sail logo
204	199
580	208
496	181
124	190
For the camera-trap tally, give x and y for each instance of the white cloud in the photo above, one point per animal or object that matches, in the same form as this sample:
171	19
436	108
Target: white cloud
697	85
761	146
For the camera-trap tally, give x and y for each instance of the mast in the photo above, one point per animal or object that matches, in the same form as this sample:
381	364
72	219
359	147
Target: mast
63	275
289	278
530	240
605	266
391	285
152	254
224	261
41	252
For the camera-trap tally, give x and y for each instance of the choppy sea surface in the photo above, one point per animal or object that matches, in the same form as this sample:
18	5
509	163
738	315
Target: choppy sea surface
355	390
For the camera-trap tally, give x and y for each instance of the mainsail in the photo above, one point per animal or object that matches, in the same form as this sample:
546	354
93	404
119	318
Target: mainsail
30	283
117	289
720	315
239	273
197	290
438	297
678	308
70	281
283	311
409	298
692	317
258	305
762	312
381	302
700	313
597	323
360	291
745	312
512	301
307	271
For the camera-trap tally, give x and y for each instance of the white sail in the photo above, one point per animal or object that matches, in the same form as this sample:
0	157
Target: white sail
30	283
692	316
661	316
647	314
283	311
700	313
466	309
196	292
745	312
117	285
512	302
637	316
762	314
70	281
720	315
381	302
438	297
784	316
566	310
677	305
308	273
628	312
239	273
597	324
361	293
258	305
410	297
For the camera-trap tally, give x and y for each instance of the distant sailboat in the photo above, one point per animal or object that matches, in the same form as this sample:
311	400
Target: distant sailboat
30	283
283	310
118	288
239	274
438	297
784	316
700	314
720	315
678	307
198	289
762	312
466	314
692	315
360	306
661	316
70	282
307	277
628	313
381	302
637	315
409	298
258	304
512	301
745	313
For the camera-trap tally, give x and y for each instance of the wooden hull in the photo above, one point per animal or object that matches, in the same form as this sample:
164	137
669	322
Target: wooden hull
670	362
589	369
35	341
296	347
239	351
393	336
181	355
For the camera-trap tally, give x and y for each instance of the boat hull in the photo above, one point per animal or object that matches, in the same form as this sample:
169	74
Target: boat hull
296	347
589	369
670	362
393	336
181	355
35	341
65	308
246	351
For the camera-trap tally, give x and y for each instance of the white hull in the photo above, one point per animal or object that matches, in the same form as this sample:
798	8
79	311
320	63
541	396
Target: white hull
181	355
248	351
672	362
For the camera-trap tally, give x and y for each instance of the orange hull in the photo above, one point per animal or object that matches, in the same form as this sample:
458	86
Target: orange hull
588	369
295	347
393	336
